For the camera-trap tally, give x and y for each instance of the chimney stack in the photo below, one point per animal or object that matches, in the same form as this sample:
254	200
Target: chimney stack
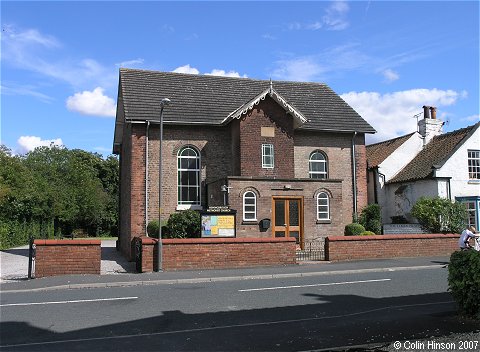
429	126
426	112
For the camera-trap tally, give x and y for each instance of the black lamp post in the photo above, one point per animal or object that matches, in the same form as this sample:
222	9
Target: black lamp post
163	103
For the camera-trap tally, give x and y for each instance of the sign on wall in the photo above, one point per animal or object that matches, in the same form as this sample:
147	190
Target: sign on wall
218	224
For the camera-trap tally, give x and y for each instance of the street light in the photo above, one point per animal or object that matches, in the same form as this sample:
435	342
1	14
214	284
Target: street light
163	103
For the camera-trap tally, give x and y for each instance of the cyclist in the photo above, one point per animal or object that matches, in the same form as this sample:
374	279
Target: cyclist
463	241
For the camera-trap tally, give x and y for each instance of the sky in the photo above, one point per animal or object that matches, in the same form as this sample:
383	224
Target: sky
60	59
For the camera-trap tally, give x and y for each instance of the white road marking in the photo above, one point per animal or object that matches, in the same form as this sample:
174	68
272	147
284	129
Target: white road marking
313	285
234	326
63	302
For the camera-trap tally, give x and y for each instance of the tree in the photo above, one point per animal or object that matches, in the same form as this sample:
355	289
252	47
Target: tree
440	215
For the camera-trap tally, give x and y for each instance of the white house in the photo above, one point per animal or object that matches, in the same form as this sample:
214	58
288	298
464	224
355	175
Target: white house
426	163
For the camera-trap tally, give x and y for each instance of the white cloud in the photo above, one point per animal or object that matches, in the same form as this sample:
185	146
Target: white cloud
28	143
298	69
27	90
472	118
130	63
187	69
390	75
334	19
93	103
217	72
268	36
392	114
31	50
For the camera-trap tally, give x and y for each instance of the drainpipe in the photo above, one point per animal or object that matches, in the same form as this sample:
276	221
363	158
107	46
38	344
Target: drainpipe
354	174
146	177
375	181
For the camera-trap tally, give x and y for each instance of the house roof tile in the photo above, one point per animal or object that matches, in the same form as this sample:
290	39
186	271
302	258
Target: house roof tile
434	155
378	152
204	99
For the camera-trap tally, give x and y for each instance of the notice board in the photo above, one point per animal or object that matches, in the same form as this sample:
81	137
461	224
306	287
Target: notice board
218	224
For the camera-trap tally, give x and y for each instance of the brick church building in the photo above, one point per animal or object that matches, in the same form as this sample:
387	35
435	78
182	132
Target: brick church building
289	152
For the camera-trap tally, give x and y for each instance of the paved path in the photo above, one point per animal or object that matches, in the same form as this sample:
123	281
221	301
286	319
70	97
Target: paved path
14	262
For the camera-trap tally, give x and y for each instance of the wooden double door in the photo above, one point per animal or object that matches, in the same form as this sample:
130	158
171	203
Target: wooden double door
287	213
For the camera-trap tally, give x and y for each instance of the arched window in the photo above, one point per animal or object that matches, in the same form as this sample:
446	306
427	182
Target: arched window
249	206
188	165
323	206
317	165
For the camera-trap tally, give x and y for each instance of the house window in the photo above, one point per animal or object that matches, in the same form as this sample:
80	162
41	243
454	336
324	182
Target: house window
317	165
249	206
323	206
472	213
474	164
267	156
188	176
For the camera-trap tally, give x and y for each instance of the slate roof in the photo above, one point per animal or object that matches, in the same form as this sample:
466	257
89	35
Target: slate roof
378	152
435	154
204	99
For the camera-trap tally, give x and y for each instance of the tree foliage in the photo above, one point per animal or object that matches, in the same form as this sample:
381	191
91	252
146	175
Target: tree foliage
54	191
440	215
371	218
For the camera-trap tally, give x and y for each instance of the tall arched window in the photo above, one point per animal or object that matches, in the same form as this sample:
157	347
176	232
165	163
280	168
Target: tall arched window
188	166
249	206
317	165
323	206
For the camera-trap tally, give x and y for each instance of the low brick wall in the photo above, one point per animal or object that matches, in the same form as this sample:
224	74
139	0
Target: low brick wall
218	253
389	246
65	257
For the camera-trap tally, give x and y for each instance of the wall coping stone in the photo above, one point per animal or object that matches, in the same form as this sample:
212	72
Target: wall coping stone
181	241
390	237
67	242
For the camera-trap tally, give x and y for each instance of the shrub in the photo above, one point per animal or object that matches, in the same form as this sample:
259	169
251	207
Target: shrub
367	233
184	224
438	215
354	229
152	228
464	281
371	218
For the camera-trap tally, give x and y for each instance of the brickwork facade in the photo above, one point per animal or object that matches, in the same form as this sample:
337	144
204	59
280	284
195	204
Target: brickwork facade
67	257
389	246
232	155
217	253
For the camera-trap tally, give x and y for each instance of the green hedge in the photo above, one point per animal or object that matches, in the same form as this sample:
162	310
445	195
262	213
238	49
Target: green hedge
464	281
354	229
17	233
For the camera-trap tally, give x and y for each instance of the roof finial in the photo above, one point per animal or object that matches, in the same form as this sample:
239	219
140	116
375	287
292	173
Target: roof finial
271	85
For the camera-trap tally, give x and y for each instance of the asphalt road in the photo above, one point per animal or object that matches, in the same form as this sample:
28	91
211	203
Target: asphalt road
322	312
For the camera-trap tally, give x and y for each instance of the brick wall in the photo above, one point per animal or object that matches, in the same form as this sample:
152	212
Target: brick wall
67	257
389	246
218	253
266	114
213	143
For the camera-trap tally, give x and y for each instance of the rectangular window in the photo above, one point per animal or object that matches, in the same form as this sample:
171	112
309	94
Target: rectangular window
267	156
474	164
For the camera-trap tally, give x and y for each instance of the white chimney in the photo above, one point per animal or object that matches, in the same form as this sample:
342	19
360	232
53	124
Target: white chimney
429	126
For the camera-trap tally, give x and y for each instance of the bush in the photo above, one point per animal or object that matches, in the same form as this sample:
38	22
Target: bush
152	228
440	215
371	218
184	224
464	281
354	229
367	233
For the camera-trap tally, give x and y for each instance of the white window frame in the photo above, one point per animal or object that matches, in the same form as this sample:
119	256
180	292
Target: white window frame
473	164
323	195
189	204
311	173
267	151
254	212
